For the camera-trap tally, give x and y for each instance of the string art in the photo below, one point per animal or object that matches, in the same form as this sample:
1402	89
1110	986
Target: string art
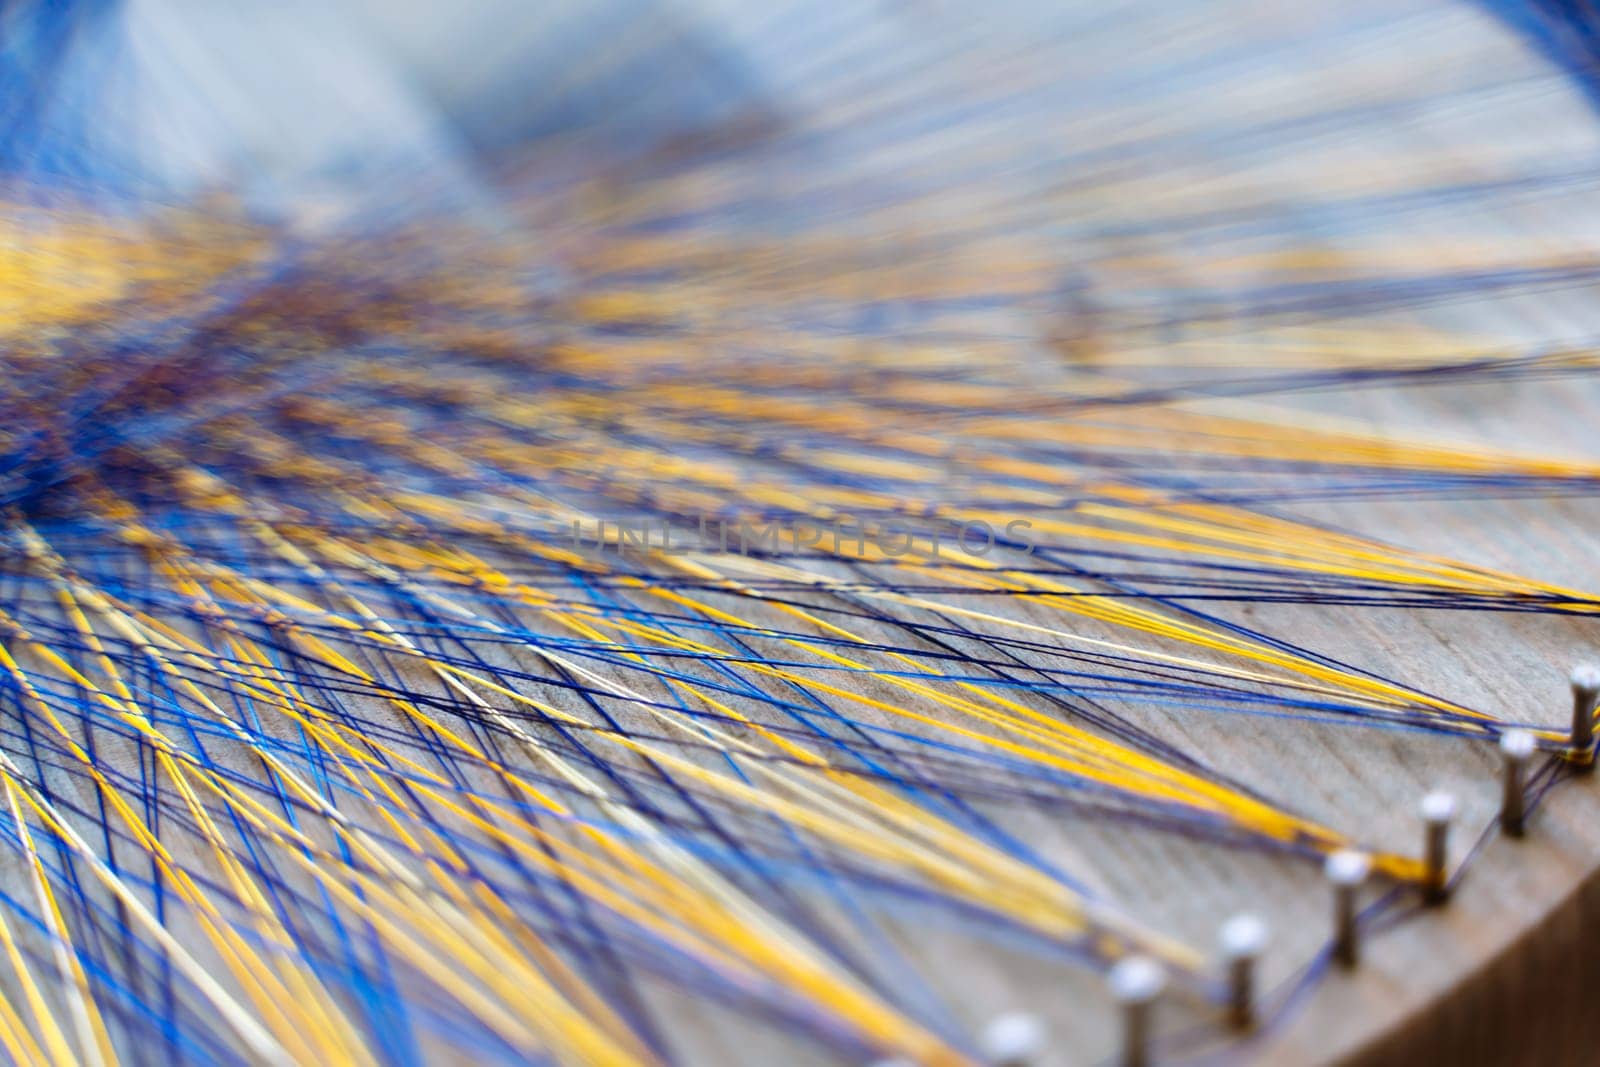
999	496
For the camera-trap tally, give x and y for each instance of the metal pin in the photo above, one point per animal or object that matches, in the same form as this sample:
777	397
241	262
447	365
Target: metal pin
1012	1040
1585	688
1135	983
1516	748
1437	810
1346	870
1242	939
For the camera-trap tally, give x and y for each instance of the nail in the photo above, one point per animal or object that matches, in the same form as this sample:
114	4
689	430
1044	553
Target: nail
1013	1040
1437	810
1346	870
1516	748
1242	939
1135	984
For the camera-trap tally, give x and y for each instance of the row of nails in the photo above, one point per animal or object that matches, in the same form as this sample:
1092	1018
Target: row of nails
1135	983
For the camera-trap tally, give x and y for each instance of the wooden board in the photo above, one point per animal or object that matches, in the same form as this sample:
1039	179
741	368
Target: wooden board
1501	974
1201	224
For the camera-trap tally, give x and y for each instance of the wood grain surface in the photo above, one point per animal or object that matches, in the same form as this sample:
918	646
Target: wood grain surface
1503	974
1306	149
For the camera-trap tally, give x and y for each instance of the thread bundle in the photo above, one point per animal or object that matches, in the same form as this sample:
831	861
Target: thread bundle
325	740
